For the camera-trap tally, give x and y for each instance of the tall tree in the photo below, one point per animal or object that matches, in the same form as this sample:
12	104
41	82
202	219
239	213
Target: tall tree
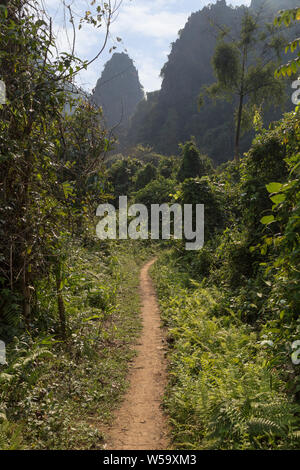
35	167
244	69
192	164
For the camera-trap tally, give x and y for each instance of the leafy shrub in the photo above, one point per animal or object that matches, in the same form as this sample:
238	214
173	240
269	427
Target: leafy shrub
144	176
168	167
159	191
221	394
193	163
203	191
102	298
121	175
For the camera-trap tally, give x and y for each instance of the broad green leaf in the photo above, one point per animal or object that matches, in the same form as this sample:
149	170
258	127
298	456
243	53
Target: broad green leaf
268	219
278	198
274	187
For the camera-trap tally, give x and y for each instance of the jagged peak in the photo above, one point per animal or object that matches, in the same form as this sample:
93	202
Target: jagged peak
118	90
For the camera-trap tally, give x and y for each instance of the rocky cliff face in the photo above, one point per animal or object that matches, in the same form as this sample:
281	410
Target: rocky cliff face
274	5
174	116
118	91
170	116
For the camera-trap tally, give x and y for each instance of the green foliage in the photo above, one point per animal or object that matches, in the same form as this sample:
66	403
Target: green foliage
10	320
128	175
168	167
83	148
264	164
146	154
203	191
281	249
10	436
121	175
144	176
159	191
226	64
193	163
287	17
67	329
67	311
232	309
221	395
54	394
50	163
242	75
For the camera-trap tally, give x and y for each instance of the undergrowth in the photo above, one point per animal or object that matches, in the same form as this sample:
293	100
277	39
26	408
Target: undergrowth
222	394
57	395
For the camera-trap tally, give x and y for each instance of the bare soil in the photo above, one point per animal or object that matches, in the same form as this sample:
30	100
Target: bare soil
140	423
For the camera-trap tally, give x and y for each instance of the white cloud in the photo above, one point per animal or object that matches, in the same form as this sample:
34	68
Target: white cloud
149	71
149	20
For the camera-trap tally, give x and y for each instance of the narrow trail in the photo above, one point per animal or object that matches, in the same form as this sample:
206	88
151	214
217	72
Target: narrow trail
140	423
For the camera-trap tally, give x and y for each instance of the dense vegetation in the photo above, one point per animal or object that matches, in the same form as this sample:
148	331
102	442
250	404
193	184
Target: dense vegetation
58	395
67	324
69	302
232	309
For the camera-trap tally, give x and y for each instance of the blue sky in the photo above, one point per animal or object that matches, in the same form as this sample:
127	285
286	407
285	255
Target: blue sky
147	28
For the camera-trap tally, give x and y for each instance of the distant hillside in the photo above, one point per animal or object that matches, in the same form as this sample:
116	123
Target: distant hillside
118	91
274	5
170	116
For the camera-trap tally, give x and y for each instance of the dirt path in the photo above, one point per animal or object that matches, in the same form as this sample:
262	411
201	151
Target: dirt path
140	423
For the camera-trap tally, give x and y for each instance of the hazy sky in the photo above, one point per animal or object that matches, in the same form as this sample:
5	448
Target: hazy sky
147	28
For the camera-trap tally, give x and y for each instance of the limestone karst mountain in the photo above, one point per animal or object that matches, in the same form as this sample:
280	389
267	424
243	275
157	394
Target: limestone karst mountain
118	91
170	116
274	5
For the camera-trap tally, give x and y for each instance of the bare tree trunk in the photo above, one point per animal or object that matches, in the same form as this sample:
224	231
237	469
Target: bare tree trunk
60	304
238	130
240	111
